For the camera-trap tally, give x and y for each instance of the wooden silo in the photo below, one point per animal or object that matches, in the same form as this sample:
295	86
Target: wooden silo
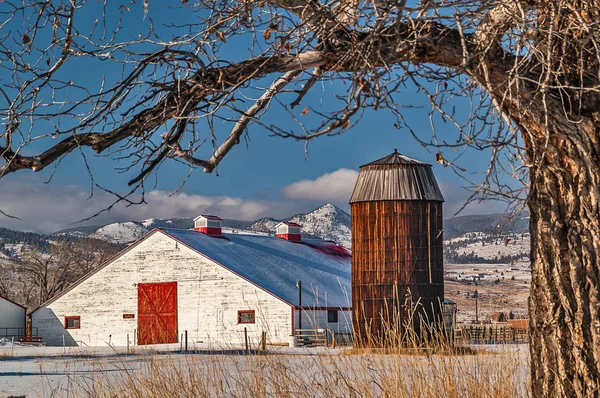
397	252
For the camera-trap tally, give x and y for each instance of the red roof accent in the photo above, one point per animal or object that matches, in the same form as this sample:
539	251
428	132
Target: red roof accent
216	232
290	237
330	248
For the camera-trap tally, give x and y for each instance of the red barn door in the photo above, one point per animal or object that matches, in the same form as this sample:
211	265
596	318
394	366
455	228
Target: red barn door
157	313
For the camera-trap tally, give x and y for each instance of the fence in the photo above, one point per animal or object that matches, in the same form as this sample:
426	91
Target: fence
8	333
489	334
322	337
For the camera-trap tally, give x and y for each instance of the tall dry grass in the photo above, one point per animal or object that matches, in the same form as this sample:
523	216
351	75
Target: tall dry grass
349	373
415	359
407	366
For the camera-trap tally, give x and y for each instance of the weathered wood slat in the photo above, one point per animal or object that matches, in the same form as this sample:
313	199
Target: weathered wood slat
397	248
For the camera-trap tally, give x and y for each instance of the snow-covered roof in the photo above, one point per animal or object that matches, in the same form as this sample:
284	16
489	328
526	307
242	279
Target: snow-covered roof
277	264
208	217
289	224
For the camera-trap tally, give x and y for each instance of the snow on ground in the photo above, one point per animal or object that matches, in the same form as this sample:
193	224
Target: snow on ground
239	231
501	288
14	247
489	272
125	232
58	372
488	247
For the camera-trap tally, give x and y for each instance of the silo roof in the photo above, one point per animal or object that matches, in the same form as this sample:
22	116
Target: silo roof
396	158
396	177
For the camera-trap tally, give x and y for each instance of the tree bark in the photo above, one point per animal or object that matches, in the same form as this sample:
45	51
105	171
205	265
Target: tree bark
564	303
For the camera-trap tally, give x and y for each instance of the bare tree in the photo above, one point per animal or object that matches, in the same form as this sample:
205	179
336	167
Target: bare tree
527	72
51	269
54	267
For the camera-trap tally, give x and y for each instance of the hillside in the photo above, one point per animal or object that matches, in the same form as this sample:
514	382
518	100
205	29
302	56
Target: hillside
497	223
326	222
462	242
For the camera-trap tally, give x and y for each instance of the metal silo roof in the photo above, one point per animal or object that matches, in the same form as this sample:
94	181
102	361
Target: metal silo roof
396	177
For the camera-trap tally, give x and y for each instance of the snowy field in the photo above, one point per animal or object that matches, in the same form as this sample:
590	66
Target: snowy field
73	372
500	288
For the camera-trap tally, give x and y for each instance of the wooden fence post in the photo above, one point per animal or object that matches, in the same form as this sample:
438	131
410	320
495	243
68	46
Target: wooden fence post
186	341
264	341
246	340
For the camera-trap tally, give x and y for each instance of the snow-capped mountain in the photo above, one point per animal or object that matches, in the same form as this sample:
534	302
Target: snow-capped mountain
122	232
326	222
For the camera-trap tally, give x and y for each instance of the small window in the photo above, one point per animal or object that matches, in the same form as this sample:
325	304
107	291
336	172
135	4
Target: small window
72	322
246	316
332	316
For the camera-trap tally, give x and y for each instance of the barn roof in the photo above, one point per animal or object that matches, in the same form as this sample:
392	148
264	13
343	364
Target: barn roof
289	223
208	217
12	302
277	264
396	177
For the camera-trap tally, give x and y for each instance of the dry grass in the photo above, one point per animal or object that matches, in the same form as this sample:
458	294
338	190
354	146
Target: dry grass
406	367
329	374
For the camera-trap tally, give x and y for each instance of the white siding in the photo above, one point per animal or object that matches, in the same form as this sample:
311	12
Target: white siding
11	316
209	298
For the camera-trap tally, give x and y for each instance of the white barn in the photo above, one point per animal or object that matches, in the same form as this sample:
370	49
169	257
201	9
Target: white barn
205	283
12	318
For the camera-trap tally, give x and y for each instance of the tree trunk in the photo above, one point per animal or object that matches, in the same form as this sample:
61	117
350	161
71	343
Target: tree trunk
565	257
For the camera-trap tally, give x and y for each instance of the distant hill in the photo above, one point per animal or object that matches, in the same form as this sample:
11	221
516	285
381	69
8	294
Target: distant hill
498	223
11	236
325	222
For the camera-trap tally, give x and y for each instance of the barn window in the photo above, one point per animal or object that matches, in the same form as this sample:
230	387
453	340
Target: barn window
72	322
246	316
332	316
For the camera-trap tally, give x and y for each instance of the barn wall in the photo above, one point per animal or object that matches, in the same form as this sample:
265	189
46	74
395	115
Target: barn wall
11	316
317	319
209	298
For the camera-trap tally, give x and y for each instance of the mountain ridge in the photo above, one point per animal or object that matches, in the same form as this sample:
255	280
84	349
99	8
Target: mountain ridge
327	222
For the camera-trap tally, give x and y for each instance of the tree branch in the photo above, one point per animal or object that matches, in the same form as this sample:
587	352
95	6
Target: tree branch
240	126
418	42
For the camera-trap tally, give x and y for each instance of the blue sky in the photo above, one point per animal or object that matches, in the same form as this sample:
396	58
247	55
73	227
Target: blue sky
269	176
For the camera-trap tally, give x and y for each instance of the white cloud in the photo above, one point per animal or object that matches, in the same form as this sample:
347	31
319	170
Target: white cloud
49	208
333	187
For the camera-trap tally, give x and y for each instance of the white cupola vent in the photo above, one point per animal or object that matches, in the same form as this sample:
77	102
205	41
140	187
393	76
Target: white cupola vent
288	231
207	224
